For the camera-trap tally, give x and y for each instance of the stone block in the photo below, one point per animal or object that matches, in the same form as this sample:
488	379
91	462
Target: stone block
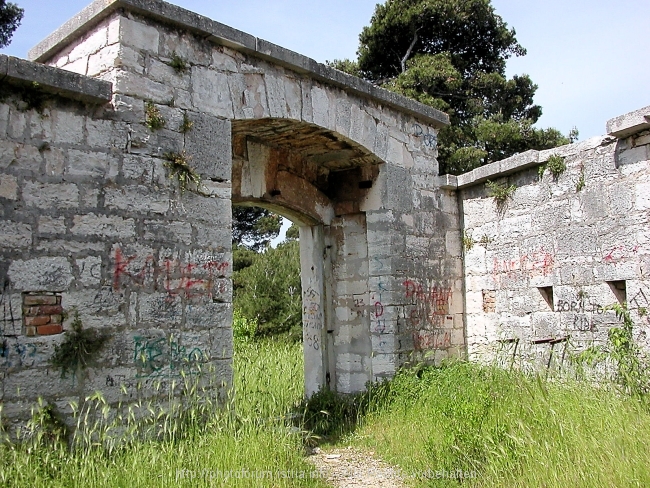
47	196
209	146
211	93
41	274
15	235
90	270
140	199
103	226
91	164
8	187
139	35
165	231
50	225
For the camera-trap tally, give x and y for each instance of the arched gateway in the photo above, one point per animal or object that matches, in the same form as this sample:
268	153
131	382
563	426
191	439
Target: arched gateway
105	231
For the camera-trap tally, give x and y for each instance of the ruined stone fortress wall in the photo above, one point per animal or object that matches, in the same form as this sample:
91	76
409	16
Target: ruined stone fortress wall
398	264
545	265
93	222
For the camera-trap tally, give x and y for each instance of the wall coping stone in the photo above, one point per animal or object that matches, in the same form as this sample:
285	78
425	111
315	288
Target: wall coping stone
224	35
525	160
630	123
57	81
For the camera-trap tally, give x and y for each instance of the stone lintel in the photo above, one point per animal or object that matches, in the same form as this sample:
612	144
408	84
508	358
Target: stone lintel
222	34
57	81
630	123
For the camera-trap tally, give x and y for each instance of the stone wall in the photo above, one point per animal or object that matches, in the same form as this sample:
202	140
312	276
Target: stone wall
544	265
94	223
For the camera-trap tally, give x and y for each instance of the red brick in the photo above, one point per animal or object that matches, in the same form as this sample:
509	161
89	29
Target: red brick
56	319
49	329
40	300
39	320
45	310
30	331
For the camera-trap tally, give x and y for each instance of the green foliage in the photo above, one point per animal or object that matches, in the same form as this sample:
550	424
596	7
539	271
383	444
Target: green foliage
153	118
10	17
150	442
77	348
468	241
508	428
556	165
254	227
243	329
187	124
500	192
269	291
632	371
581	180
180	169
293	232
347	66
452	55
178	63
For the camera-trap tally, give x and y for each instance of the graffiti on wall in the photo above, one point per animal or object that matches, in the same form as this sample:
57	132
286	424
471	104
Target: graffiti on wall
165	357
427	315
198	276
538	263
312	316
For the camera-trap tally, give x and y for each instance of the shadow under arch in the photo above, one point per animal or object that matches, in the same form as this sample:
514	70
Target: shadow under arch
321	181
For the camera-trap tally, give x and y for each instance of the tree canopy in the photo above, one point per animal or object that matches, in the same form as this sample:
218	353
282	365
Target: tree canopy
451	55
254	227
10	17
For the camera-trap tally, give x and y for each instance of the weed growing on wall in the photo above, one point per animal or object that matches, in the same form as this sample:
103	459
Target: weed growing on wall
186	125
78	347
581	179
468	241
556	165
632	371
153	118
501	194
180	170
178	63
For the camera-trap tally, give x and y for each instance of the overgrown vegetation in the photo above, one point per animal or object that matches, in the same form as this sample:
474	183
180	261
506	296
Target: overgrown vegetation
468	241
501	193
556	165
180	170
186	125
78	347
267	289
191	442
178	63
153	118
452	56
622	353
508	428
581	179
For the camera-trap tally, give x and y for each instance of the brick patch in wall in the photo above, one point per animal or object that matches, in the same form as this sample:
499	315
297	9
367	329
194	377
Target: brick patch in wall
42	313
489	301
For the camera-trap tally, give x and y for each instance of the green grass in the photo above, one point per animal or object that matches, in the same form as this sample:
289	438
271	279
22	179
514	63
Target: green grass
509	429
256	438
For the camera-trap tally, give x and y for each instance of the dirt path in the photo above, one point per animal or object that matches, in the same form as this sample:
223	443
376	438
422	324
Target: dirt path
350	467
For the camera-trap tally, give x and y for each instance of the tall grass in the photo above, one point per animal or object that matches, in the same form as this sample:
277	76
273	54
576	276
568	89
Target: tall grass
507	429
249	445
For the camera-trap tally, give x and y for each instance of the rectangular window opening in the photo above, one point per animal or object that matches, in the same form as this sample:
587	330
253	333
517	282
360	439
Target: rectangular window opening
547	294
619	287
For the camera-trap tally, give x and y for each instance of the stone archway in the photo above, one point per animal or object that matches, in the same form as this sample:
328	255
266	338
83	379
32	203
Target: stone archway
318	179
104	230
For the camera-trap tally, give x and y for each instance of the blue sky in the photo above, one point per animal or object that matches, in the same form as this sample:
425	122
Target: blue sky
589	57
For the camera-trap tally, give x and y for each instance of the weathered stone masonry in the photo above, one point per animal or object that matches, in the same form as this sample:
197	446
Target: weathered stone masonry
562	249
90	216
92	222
